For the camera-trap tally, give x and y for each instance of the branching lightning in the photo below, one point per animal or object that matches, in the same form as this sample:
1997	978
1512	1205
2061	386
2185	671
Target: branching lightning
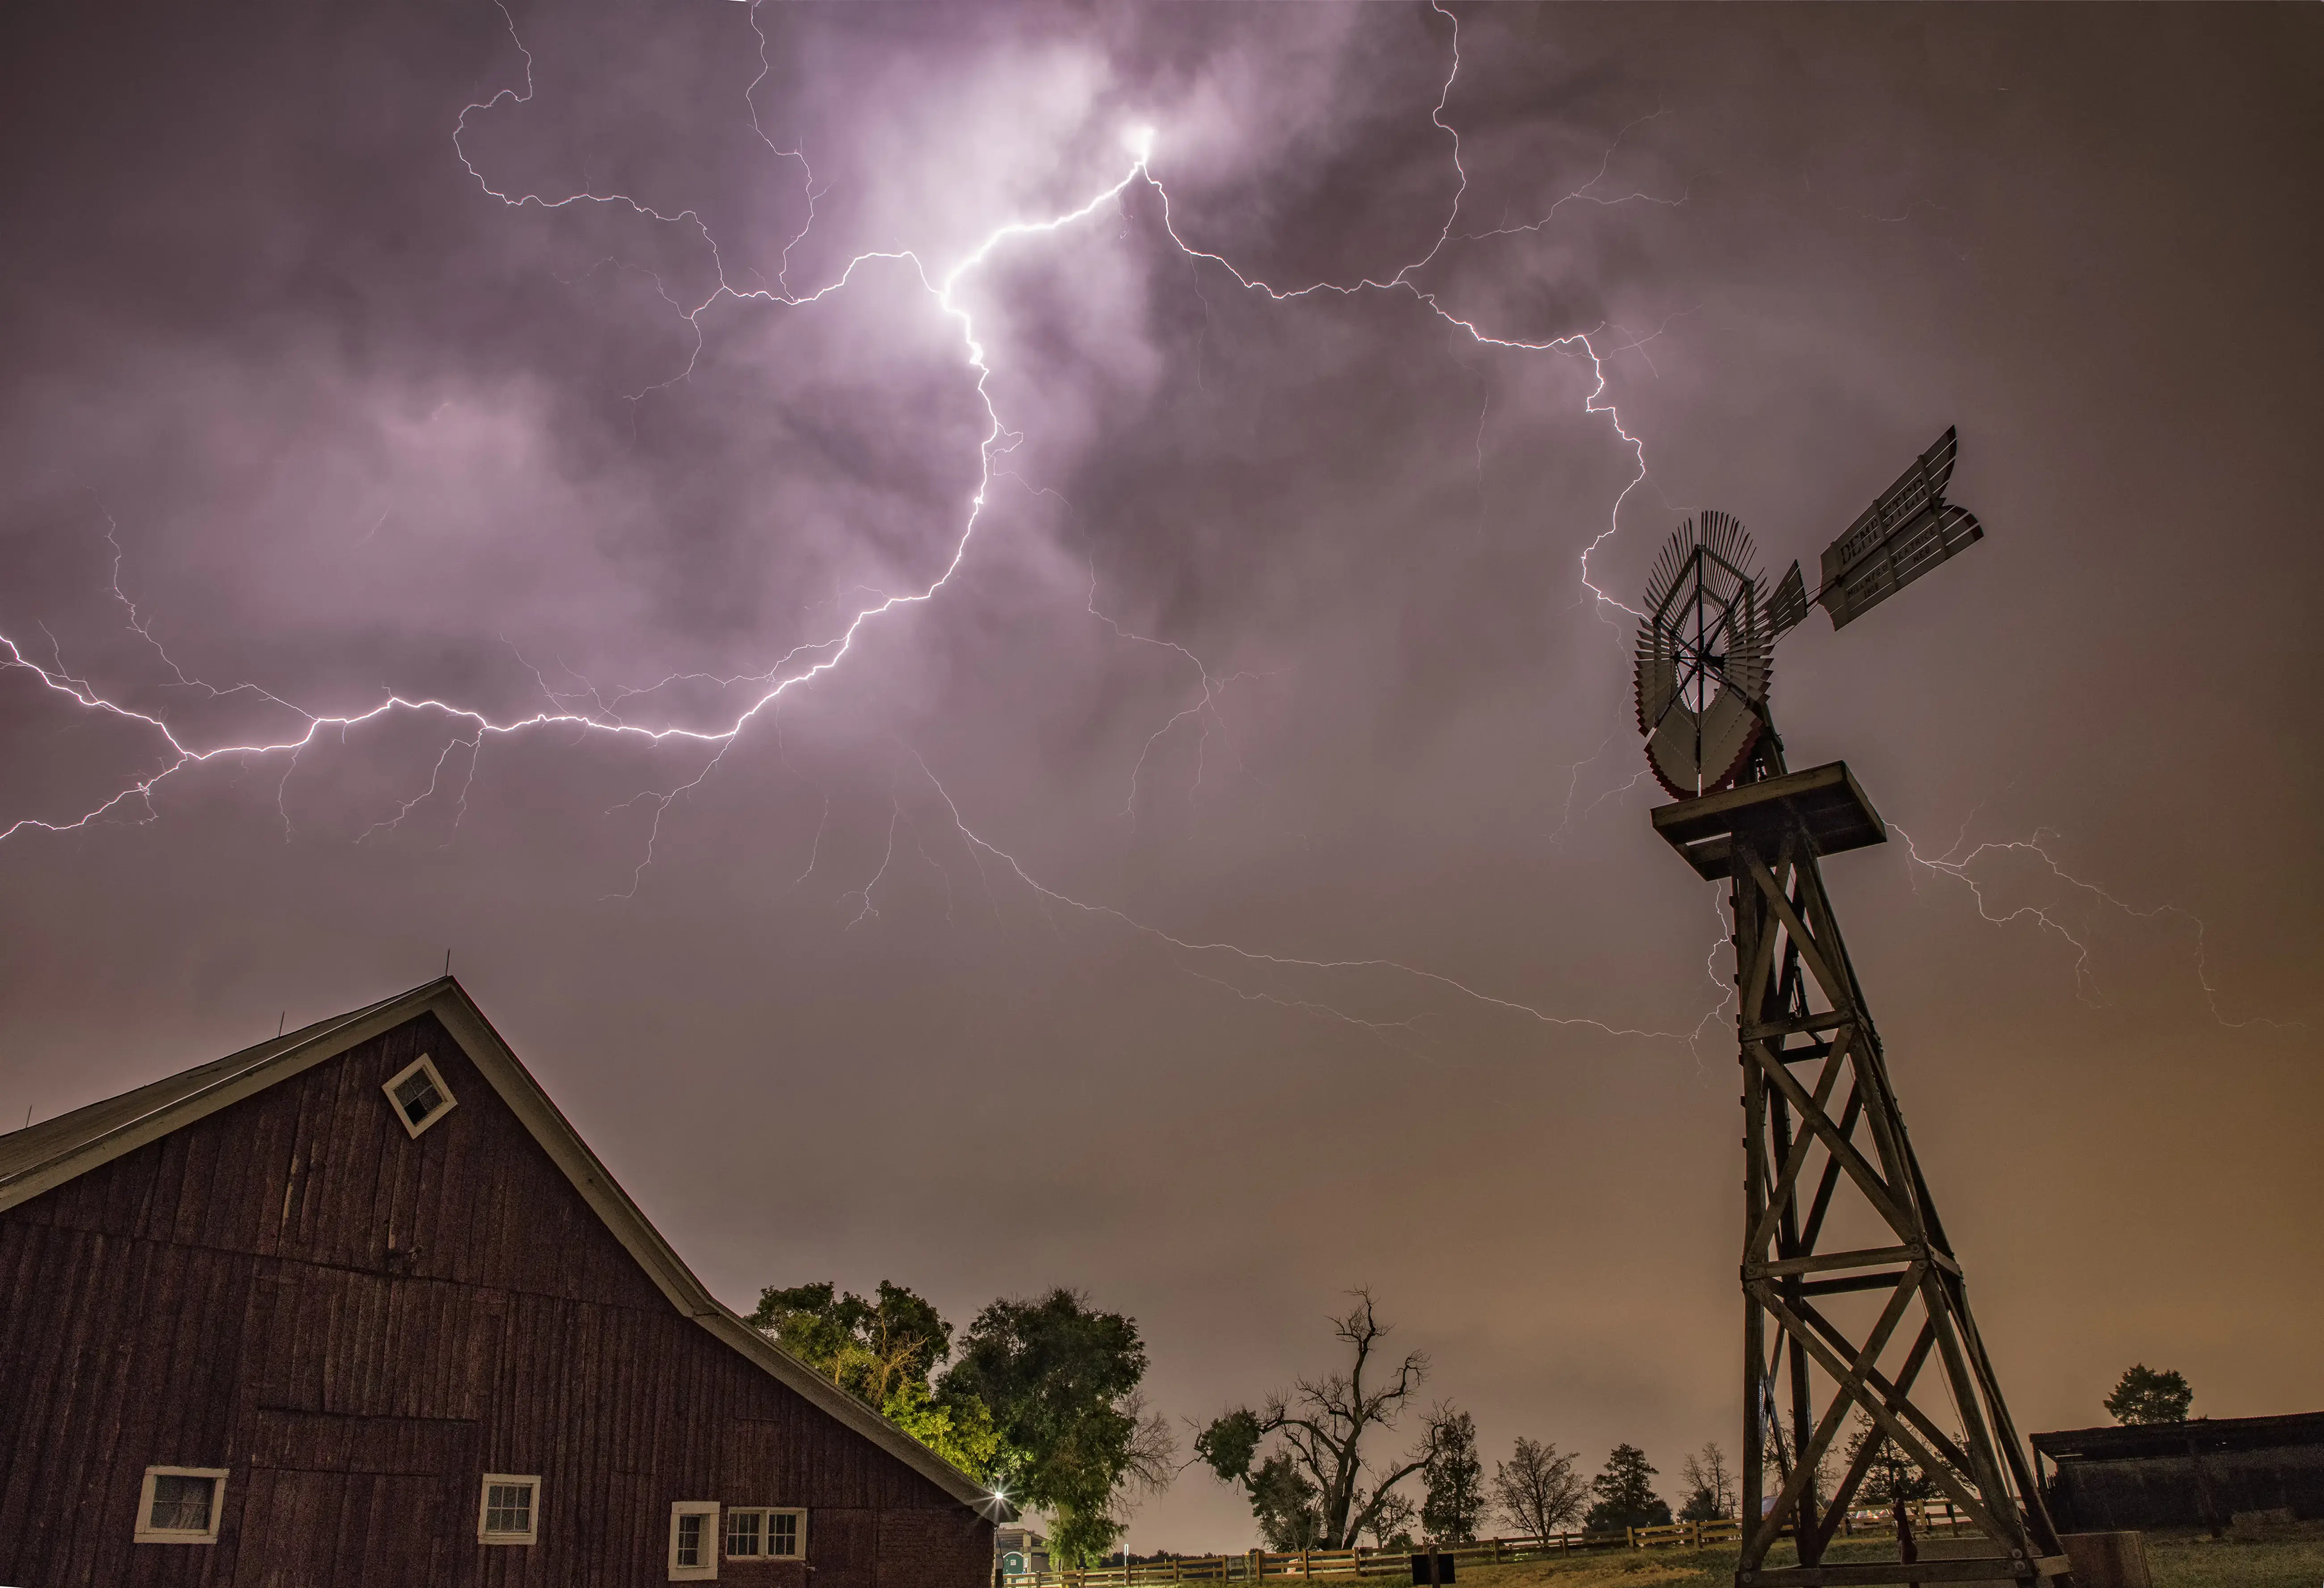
589	713
1957	861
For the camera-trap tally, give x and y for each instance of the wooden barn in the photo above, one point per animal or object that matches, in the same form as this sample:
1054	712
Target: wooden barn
357	1306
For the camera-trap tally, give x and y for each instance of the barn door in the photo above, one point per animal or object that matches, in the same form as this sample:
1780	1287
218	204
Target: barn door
307	1529
843	1544
356	1502
921	1548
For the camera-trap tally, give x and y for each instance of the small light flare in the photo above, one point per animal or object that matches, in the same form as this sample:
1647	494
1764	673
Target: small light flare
1140	141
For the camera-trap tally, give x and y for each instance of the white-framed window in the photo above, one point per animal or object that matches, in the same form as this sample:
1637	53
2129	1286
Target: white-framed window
420	1094
508	1510
756	1532
692	1540
181	1505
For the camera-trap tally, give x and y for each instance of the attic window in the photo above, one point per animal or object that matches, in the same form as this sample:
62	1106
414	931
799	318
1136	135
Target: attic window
179	1505
420	1094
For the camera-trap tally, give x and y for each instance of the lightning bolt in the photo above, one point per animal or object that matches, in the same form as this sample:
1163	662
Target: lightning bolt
1956	864
588	713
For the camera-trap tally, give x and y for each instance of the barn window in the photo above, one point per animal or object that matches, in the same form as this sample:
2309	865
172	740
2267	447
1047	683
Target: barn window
692	1540
758	1532
420	1094
746	1533
510	1510
181	1505
787	1534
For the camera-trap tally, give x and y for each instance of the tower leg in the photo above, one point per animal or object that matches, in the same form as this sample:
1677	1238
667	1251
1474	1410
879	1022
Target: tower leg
1855	1321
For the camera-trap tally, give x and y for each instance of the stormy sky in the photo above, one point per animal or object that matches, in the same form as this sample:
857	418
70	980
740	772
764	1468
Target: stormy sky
1218	874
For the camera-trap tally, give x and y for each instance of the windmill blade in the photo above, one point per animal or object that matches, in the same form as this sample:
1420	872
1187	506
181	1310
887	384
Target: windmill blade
1903	534
1788	605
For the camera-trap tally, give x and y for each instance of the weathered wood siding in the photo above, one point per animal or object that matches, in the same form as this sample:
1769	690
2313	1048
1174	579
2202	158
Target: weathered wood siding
359	1325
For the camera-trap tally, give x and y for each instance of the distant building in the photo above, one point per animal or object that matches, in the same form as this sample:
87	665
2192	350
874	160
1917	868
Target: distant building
1017	1550
2192	1474
357	1306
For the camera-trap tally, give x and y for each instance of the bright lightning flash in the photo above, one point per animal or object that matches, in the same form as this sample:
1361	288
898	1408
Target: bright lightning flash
472	728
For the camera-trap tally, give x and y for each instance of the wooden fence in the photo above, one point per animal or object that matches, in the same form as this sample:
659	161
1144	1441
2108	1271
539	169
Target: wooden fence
1262	1566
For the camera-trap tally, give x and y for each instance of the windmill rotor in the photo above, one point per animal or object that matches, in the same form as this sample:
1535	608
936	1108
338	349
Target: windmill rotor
1704	656
1707	638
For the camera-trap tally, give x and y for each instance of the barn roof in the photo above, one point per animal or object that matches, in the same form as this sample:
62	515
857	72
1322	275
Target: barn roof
47	1155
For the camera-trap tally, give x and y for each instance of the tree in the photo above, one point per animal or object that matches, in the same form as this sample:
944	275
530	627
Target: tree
1536	1490
881	1351
1891	1477
1392	1523
1060	1381
1710	1486
2146	1395
1315	1483
866	1347
961	1431
1626	1499
1454	1479
1284	1504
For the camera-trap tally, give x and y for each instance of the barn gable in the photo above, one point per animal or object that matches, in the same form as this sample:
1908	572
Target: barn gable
256	1266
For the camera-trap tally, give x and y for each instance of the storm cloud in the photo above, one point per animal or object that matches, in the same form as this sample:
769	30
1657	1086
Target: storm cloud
1231	882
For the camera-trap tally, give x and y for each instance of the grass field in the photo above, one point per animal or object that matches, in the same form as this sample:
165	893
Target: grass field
2179	1560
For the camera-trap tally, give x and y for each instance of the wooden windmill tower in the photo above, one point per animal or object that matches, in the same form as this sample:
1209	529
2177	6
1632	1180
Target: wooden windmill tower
1855	1309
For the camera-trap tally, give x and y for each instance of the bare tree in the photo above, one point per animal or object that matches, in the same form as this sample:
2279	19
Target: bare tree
1536	1490
1710	1485
1316	1483
1152	1459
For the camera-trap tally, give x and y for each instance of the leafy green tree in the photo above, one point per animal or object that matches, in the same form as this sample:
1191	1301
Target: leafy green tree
1060	1381
1453	1480
2146	1395
1317	1435
881	1350
960	1431
1626	1494
865	1346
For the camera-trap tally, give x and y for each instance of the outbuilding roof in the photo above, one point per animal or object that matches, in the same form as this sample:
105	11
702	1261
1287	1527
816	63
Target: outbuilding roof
54	1152
2135	1441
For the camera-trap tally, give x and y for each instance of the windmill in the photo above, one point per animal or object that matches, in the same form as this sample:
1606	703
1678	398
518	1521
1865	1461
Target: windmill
1854	1303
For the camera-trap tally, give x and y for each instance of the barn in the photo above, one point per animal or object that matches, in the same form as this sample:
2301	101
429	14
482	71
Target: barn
357	1306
